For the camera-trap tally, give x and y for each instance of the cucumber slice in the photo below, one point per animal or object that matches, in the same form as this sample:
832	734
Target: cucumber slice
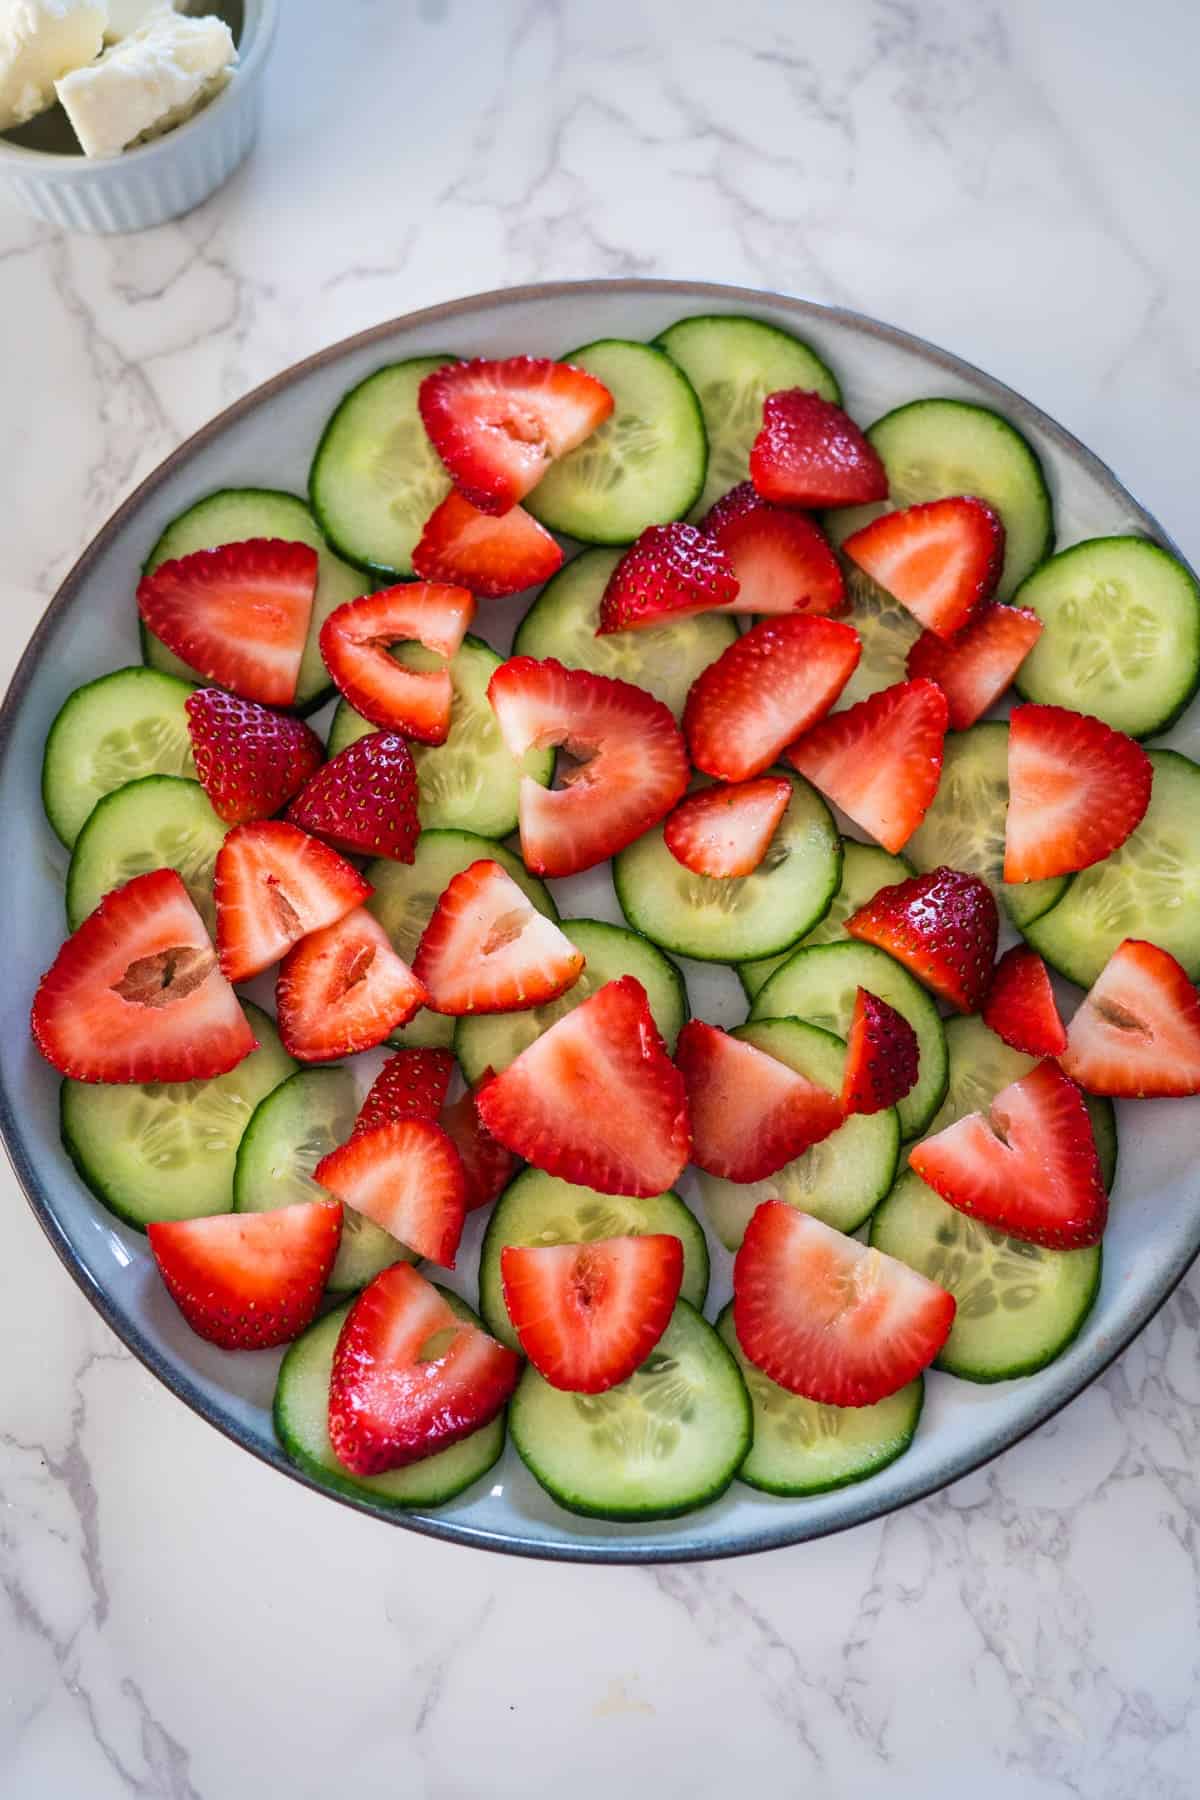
669	1439
819	985
159	822
302	1427
493	1040
663	659
1149	888
231	516
888	632
739	918
734	363
406	894
865	869
1019	1306
111	731
541	1209
167	1150
1121	637
375	476
840	1180
643	466
802	1448
471	782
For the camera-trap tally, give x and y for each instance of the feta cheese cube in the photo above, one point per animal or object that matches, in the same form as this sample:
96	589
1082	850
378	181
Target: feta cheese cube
127	16
147	83
39	41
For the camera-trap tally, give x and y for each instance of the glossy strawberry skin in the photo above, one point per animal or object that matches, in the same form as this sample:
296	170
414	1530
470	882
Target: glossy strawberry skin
810	453
671	572
250	760
488	1166
943	926
412	1084
364	800
882	1056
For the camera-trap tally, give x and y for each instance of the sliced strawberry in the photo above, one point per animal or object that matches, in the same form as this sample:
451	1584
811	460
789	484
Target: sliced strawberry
488	949
671	572
407	1177
249	1280
941	559
411	1085
364	800
250	760
828	1317
631	763
882	1056
596	1099
273	884
239	615
1076	789
768	687
343	989
976	665
487	1165
136	994
782	561
880	760
355	639
1137	1034
943	926
810	453
498	425
750	1113
1020	1005
588	1315
476	550
1029	1168
727	830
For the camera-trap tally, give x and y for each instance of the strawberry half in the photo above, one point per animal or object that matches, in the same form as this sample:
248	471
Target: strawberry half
136	994
671	572
1076	789
250	760
238	615
343	989
488	1166
355	639
631	763
828	1317
499	424
249	1280
411	1085
596	1099
364	801
941	559
488	949
272	885
810	453
942	926
410	1377
1020	1006
725	831
588	1315
407	1177
1029	1168
880	760
976	665
750	1113
1137	1034
882	1056
768	687
476	550
781	560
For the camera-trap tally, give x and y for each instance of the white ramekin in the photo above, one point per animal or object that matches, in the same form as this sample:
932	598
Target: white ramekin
163	178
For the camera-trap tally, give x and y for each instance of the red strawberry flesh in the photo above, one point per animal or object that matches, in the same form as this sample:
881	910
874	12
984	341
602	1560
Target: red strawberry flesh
780	558
765	690
488	949
1076	790
588	1315
407	1177
343	989
1137	1034
725	831
356	638
1020	1006
881	759
750	1113
977	665
941	559
491	556
273	885
249	1281
810	453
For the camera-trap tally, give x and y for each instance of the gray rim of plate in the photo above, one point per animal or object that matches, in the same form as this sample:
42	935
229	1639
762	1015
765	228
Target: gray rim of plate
789	1530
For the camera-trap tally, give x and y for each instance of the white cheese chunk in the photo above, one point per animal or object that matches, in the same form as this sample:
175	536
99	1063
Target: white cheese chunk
148	82
39	41
127	16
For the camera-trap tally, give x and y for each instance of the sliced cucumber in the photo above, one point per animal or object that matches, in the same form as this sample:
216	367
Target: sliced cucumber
865	869
159	822
663	659
1149	888
1121	637
471	782
840	1180
643	466
302	1427
112	731
1019	1306
802	1448
493	1040
231	516
888	632
167	1150
375	477
819	984
541	1209
669	1439
734	363
739	918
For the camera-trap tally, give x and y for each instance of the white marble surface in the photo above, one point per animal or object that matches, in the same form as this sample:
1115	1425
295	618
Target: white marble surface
1014	181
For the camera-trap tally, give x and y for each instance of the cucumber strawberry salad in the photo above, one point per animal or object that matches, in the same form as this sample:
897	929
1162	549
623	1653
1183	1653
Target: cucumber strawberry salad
760	688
